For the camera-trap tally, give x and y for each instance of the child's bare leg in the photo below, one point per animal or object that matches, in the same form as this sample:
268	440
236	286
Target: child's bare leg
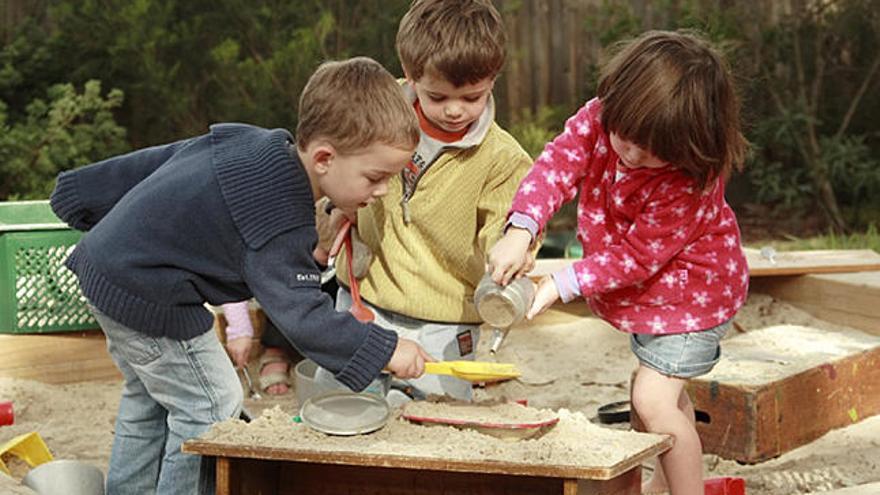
663	406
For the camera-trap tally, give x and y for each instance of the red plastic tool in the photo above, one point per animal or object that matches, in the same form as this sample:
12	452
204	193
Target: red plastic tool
726	485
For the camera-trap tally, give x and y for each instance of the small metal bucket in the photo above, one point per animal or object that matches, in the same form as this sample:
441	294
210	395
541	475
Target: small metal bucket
311	380
502	307
65	477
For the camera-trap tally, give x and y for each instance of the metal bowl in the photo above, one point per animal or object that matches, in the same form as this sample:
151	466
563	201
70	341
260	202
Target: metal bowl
65	477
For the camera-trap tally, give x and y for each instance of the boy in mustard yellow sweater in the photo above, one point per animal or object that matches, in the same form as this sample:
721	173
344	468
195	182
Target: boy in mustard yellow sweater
429	236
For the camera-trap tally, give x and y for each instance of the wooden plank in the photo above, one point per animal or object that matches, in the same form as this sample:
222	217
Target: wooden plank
819	261
786	263
212	448
849	299
57	358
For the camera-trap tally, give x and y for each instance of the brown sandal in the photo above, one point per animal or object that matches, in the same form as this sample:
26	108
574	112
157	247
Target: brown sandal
276	377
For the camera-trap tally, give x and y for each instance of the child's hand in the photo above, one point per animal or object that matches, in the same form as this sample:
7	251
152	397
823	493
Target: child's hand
239	350
545	295
510	257
328	225
408	360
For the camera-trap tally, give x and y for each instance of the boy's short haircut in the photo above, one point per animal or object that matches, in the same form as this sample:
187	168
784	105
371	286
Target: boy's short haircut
353	104
461	40
672	93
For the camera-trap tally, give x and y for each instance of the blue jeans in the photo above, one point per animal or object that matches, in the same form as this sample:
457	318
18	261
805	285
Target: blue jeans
173	391
682	355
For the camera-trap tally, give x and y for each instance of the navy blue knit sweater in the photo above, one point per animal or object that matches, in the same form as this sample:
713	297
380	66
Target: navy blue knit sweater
216	218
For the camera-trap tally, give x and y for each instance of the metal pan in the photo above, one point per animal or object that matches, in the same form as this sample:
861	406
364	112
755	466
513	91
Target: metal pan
345	413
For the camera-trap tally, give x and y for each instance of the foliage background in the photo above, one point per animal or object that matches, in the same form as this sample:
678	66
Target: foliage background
81	80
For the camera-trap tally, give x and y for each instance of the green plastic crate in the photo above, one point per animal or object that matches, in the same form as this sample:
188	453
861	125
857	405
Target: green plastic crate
38	294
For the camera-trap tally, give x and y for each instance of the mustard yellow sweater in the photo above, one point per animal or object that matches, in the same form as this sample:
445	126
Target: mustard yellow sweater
428	269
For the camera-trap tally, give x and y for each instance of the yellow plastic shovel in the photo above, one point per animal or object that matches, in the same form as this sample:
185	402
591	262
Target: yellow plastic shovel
473	371
28	447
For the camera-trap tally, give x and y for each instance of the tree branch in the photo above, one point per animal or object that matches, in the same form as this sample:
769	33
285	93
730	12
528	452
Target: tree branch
853	105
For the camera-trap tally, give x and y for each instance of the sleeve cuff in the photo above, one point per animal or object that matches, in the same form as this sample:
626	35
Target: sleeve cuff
566	284
522	221
369	360
66	204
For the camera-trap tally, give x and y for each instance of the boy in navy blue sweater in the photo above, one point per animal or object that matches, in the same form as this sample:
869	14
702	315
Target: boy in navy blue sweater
224	217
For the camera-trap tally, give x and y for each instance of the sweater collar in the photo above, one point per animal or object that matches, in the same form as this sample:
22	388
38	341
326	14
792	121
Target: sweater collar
263	184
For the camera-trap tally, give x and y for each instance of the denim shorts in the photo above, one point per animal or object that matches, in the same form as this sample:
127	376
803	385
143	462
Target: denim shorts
682	355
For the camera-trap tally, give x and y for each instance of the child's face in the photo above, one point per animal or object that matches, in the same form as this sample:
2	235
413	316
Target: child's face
451	108
632	156
354	180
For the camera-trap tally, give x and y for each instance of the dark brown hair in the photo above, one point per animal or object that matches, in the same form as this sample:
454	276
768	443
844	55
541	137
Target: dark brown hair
461	40
353	104
672	94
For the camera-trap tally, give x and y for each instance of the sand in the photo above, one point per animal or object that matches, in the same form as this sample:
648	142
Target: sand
568	361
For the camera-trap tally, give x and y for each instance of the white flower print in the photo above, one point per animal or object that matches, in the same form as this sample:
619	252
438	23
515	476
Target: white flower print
597	217
732	267
535	211
546	155
618	200
550	177
690	322
657	325
658	301
669	280
721	314
566	177
583	128
711	277
527	187
730	240
603	259
679	233
701	299
728	291
571	155
587	278
628	263
613	284
655	245
625	325
608	239
596	192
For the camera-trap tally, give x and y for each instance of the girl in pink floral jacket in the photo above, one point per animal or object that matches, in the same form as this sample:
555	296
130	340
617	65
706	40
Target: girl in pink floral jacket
662	256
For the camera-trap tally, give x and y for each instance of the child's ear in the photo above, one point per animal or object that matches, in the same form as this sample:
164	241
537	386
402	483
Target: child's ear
322	157
409	79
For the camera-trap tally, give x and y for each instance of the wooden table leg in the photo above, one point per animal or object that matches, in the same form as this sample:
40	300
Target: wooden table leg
224	468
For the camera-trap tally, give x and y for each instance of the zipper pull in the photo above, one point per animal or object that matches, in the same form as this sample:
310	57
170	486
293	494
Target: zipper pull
406	218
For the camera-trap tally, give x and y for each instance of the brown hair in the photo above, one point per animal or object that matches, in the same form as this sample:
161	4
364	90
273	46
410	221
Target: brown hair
671	94
354	103
461	40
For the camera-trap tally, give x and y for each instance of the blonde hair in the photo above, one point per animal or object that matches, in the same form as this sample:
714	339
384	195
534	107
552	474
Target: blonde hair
353	104
670	93
461	40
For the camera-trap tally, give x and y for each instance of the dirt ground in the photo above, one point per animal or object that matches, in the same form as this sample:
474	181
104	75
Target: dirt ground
568	360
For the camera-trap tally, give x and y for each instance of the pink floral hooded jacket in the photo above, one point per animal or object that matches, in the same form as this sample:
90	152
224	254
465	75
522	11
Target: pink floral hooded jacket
660	255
